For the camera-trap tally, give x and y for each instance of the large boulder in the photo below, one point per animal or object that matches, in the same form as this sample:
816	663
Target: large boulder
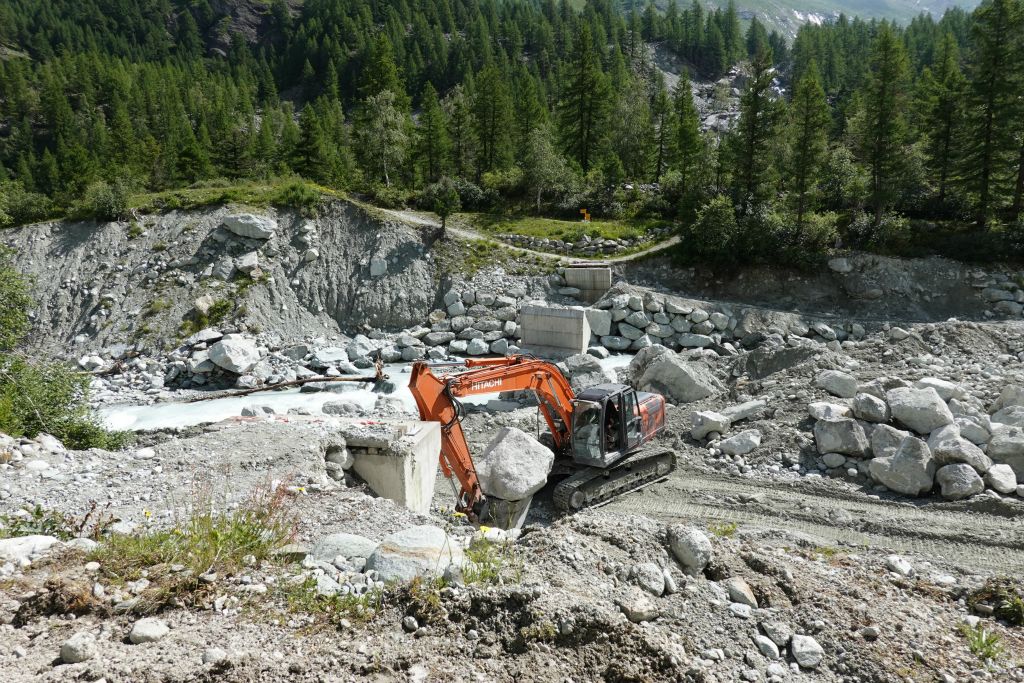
235	353
514	465
886	440
837	383
742	443
707	421
600	321
844	436
583	370
643	359
252	226
921	410
911	470
21	548
870	408
691	547
959	449
343	544
1007	447
959	481
1001	478
412	552
680	381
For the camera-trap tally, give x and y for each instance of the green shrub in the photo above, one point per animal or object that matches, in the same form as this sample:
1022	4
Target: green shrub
50	397
106	202
299	195
19	206
983	644
715	235
38	521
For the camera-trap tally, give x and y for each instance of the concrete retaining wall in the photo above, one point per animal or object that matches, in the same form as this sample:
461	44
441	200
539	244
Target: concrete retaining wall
563	330
398	459
592	282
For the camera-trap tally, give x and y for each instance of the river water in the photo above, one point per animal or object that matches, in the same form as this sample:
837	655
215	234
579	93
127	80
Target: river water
172	414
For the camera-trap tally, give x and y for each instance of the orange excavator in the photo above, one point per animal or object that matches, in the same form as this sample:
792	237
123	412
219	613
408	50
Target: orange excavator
600	436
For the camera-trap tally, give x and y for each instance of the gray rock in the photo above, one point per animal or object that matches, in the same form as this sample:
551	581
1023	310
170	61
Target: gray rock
806	651
742	443
148	630
214	655
438	338
412	552
615	343
630	332
921	410
600	321
844	436
694	341
638	607
680	381
973	429
833	460
583	371
691	547
81	647
739	591
1002	479
959	481
235	353
899	565
837	383
642	360
378	267
249	262
706	421
1007	447
342	544
911	470
1010	415
477	347
885	440
251	226
778	631
820	410
766	646
960	450
514	465
870	408
746	410
649	577
20	549
946	390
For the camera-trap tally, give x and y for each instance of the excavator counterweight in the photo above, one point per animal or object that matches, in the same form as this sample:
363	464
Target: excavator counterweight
600	434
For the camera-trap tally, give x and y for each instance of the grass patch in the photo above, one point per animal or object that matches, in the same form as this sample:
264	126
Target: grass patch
569	231
724	529
301	597
983	644
1006	597
208	541
216	314
289	192
57	524
490	562
157	306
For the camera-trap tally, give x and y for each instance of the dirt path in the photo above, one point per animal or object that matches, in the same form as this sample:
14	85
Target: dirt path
973	539
464	233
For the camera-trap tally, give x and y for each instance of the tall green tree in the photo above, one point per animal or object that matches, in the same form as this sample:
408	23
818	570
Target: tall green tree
687	142
433	144
584	104
543	167
883	126
382	137
492	115
808	140
754	168
940	97
461	131
993	73
661	113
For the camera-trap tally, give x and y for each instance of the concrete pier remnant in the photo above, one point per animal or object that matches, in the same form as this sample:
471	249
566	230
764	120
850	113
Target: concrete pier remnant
397	458
592	281
557	330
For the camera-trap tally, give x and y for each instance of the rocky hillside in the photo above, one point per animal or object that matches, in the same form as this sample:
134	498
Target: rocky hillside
157	279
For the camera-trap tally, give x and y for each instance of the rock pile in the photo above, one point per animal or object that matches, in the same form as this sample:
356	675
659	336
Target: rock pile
908	438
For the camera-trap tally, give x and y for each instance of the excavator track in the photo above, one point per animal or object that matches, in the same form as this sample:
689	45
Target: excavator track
593	485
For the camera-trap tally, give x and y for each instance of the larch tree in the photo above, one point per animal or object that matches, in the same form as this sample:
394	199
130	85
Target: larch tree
808	140
583	109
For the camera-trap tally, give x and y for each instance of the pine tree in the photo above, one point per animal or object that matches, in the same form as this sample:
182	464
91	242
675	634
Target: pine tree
993	70
884	127
460	131
808	139
940	95
583	107
661	113
492	117
433	144
380	72
716	54
753	165
687	143
732	34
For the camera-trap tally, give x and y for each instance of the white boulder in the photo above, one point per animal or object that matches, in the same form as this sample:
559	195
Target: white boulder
680	381
250	225
514	465
911	470
691	547
922	410
235	353
959	481
412	552
1001	478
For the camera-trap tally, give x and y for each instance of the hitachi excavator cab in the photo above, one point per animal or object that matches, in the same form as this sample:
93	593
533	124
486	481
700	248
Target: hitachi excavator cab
612	420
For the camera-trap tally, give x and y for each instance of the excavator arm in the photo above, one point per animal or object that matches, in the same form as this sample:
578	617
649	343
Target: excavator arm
437	400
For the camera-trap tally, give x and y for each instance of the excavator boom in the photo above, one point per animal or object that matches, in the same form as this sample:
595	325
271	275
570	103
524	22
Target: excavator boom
437	398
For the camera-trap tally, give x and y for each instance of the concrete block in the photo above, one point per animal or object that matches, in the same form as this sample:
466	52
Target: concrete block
398	459
557	328
592	282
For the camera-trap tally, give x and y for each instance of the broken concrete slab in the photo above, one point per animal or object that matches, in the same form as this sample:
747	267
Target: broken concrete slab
398	459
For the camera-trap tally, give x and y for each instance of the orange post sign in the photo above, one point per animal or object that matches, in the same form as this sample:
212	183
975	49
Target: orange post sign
586	216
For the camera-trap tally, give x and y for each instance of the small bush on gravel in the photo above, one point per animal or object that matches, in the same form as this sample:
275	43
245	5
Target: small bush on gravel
208	541
489	562
1005	596
38	521
302	598
983	644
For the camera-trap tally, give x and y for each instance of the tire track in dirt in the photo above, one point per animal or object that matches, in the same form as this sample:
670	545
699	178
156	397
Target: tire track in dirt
974	540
